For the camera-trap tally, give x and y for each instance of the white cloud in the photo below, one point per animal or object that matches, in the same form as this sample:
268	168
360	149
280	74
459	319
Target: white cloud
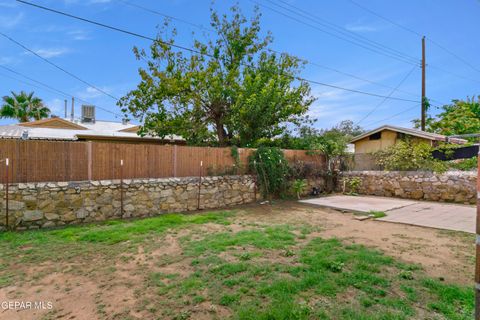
360	28
51	52
91	93
79	35
8	21
56	106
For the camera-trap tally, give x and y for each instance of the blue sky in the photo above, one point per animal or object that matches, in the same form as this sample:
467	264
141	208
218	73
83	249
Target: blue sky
104	58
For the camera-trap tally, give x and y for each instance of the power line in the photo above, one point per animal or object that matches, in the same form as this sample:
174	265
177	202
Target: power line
453	74
115	28
348	74
385	99
355	41
340	29
153	11
205	54
135	5
53	89
386	19
453	54
57	66
353	90
393	116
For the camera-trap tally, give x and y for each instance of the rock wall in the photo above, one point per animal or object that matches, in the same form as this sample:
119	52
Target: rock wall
452	186
41	205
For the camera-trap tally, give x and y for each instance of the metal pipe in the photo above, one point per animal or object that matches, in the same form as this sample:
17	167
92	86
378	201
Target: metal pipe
477	243
6	192
199	185
121	188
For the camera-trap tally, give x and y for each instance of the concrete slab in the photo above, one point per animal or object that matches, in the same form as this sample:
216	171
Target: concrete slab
435	215
420	213
362	204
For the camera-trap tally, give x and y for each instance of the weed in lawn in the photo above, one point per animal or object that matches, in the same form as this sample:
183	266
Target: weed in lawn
378	214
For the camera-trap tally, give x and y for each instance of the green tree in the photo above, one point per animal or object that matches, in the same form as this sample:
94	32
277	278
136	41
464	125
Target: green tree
232	90
460	117
407	155
23	107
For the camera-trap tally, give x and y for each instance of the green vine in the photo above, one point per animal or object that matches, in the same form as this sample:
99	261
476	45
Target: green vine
236	158
272	170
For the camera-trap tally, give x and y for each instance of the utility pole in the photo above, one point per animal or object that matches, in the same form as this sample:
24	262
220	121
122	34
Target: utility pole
66	107
423	85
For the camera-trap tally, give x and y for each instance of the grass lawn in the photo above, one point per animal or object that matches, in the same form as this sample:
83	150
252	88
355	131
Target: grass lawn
247	263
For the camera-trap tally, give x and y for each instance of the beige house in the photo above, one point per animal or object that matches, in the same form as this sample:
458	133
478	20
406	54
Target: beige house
386	136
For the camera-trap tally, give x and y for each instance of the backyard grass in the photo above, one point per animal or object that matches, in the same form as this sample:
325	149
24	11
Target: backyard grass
216	266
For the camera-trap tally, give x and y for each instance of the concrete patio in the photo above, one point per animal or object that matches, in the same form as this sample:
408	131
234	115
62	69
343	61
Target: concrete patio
439	215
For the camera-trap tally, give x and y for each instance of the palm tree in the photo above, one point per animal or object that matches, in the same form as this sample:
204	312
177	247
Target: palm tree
23	107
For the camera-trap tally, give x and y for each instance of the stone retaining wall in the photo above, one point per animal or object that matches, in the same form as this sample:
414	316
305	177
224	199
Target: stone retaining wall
452	186
40	205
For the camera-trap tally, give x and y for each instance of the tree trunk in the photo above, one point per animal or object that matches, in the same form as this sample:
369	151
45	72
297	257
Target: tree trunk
221	133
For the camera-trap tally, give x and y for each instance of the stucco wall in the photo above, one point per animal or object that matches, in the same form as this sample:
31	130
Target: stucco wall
452	186
39	205
389	138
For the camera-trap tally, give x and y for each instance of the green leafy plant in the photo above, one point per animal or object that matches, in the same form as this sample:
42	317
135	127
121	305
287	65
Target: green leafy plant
408	155
272	170
464	164
299	186
353	185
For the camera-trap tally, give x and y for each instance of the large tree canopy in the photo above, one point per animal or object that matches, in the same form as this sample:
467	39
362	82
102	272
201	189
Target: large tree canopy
460	117
231	90
23	107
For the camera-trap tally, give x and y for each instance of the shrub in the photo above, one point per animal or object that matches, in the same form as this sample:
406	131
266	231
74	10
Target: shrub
409	156
464	164
353	185
272	170
299	186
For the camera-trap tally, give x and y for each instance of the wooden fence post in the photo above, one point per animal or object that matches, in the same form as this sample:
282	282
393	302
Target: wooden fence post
89	160
174	160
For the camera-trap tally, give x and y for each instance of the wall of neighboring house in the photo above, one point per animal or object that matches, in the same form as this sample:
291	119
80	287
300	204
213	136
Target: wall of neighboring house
364	149
387	139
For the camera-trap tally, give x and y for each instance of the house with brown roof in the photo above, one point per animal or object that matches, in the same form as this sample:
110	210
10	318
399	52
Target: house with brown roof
86	128
386	136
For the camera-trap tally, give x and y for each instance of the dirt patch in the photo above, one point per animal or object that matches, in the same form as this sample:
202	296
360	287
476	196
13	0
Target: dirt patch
449	256
71	297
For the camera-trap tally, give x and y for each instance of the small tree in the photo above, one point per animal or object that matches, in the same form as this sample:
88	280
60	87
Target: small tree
409	156
230	90
299	186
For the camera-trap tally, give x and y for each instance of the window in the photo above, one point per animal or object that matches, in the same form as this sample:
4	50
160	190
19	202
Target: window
401	136
376	136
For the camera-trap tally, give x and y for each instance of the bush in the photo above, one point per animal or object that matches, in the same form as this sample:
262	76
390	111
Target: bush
464	164
299	186
303	170
353	185
409	156
272	170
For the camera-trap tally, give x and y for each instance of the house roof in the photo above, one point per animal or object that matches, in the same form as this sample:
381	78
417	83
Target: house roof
411	132
65	129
